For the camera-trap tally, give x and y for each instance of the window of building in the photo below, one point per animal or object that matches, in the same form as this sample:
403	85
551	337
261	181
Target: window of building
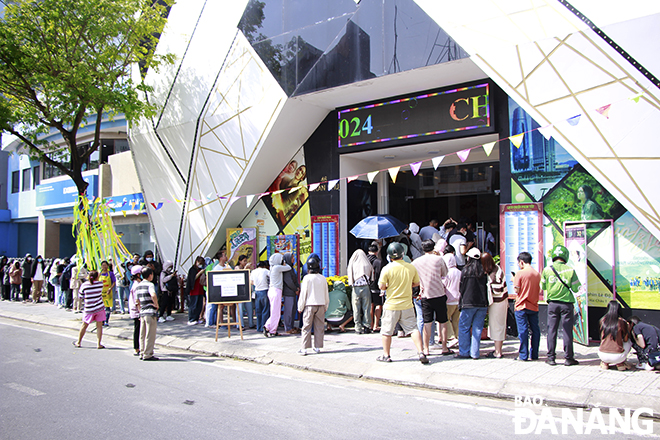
15	182
107	148
36	177
26	179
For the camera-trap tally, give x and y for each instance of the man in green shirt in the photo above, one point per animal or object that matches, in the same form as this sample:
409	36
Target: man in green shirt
559	281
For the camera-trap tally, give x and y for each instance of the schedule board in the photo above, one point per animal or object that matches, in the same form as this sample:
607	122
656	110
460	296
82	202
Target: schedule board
325	242
521	230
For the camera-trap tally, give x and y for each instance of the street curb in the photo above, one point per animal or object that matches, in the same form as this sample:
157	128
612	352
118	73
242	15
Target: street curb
499	389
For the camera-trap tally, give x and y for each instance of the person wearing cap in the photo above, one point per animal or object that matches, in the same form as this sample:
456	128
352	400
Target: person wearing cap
473	305
398	279
559	281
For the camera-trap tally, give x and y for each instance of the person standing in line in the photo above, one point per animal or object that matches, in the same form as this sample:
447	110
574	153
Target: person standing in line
168	289
473	305
426	233
216	311
54	280
107	277
37	274
246	308
398	279
260	280
147	301
277	268
313	303
360	273
80	274
559	281
527	284
92	293
195	290
376	299
431	268
4	278
15	276
26	279
458	241
415	241
452	283
133	310
290	289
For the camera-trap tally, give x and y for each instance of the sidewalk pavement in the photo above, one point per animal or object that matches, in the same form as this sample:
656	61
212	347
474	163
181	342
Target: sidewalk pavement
352	355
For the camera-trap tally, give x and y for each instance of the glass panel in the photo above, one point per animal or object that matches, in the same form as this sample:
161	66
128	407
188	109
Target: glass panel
36	177
107	149
94	160
15	181
121	145
26	179
136	237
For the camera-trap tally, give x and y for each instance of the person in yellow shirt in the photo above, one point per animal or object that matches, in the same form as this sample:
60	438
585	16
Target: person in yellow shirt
398	279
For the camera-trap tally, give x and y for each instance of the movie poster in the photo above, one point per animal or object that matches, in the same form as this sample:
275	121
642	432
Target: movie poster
576	243
288	191
242	241
282	244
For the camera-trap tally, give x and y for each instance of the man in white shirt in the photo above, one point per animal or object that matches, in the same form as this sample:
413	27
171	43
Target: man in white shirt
459	242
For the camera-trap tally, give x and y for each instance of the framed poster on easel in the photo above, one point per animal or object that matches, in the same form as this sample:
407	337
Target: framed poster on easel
576	239
521	230
228	287
325	242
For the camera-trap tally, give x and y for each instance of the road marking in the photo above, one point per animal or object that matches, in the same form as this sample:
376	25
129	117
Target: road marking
24	389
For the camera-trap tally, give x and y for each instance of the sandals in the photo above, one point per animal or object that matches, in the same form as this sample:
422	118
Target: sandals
100	347
492	355
448	352
383	358
423	359
604	366
75	344
623	366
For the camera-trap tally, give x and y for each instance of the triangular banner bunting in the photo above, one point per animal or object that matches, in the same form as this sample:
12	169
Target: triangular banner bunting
142	205
635	98
488	148
414	167
604	110
232	200
575	120
277	192
332	183
517	139
124	212
352	178
393	173
261	195
314	186
547	131
436	161
463	154
248	200
371	176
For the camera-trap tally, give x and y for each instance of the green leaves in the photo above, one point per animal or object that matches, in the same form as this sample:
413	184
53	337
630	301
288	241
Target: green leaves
62	61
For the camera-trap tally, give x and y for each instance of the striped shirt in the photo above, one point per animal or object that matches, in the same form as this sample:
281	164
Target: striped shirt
91	293
144	290
431	268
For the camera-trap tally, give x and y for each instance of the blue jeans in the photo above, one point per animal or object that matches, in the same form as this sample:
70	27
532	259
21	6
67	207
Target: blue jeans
473	317
420	321
194	307
262	307
528	320
248	309
212	314
123	296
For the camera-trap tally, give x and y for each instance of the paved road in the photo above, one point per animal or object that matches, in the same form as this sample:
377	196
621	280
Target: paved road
51	390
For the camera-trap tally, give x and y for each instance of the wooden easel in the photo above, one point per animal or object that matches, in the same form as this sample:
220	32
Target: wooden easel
229	323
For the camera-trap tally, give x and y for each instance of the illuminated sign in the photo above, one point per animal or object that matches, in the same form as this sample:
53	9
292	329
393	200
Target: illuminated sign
429	116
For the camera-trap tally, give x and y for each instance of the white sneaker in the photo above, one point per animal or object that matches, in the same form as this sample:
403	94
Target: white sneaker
161	319
169	318
317	350
302	352
647	367
192	322
200	322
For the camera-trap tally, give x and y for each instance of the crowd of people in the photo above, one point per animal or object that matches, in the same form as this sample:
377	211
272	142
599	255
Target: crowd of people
425	283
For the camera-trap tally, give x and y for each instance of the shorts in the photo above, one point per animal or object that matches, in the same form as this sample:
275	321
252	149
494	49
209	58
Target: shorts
98	316
434	307
406	318
376	299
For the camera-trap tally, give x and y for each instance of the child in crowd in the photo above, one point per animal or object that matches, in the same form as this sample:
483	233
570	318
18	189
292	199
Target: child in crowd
133	311
313	302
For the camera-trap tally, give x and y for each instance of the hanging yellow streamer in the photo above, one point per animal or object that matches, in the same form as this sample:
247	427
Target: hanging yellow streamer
96	239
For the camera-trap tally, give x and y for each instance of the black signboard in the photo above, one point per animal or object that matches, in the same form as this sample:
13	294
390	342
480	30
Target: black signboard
228	286
421	117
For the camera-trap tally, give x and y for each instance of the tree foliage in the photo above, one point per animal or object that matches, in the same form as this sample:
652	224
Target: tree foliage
67	63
